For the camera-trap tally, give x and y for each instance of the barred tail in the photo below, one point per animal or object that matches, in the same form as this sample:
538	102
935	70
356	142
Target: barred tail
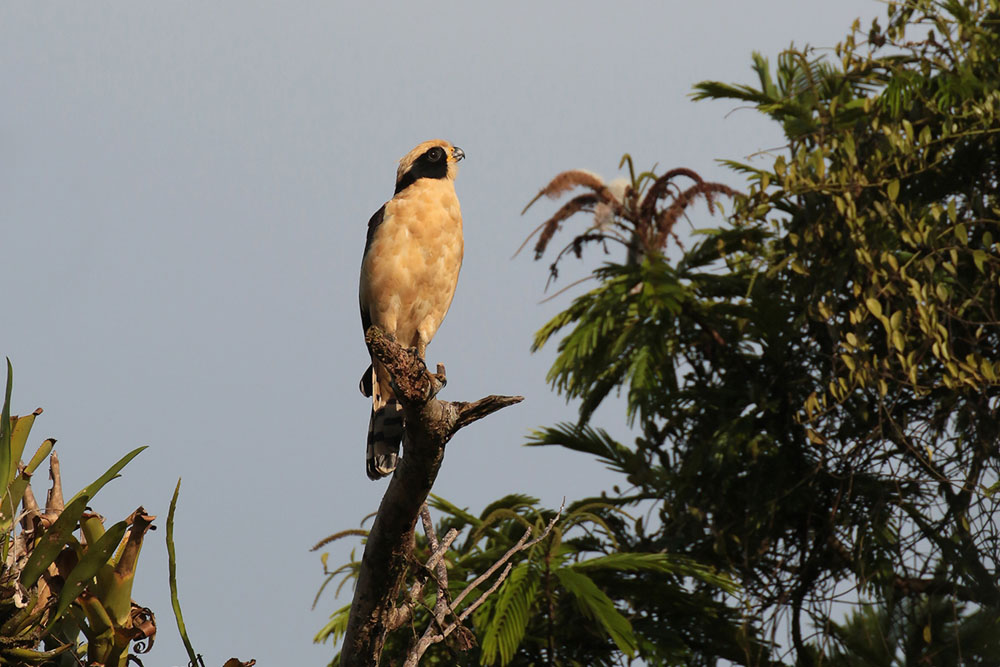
385	434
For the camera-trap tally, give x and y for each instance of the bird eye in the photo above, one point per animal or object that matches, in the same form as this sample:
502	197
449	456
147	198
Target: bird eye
435	154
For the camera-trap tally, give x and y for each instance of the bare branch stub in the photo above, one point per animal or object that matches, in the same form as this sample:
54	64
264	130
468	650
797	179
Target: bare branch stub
430	424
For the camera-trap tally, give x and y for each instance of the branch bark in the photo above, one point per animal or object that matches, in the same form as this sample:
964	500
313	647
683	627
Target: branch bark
430	424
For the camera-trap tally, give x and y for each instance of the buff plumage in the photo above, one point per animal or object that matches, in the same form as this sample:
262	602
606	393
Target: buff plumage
409	272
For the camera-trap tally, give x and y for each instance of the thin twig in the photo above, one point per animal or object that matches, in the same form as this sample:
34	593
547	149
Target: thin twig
449	537
568	287
439	566
482	598
521	545
429	637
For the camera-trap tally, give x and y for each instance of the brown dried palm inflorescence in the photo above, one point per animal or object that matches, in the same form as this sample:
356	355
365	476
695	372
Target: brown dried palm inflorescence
562	183
641	216
666	219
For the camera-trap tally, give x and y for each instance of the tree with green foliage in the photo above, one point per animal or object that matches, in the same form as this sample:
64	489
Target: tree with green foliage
814	386
817	384
552	607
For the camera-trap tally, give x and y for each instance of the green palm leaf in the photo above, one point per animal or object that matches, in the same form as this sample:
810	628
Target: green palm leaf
595	604
510	616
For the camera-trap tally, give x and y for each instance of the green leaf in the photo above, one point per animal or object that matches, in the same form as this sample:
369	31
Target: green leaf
979	259
16	489
657	562
26	656
5	428
52	541
892	190
60	533
439	503
336	627
595	604
586	439
511	613
112	473
874	306
508	502
18	439
172	576
94	558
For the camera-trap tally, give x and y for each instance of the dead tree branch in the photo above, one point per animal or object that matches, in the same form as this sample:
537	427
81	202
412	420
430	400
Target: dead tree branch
430	424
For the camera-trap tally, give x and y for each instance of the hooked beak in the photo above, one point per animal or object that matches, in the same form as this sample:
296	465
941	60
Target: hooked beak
457	153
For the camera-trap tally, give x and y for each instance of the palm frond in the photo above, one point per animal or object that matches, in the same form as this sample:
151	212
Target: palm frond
508	621
595	604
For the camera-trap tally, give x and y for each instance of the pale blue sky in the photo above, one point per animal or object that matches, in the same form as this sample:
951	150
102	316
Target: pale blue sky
184	189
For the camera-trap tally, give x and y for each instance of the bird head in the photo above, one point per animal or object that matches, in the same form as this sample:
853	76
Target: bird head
431	159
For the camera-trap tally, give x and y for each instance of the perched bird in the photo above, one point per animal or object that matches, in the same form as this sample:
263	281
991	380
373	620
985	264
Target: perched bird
408	275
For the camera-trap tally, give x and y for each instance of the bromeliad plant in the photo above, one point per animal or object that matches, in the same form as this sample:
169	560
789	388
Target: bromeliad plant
62	572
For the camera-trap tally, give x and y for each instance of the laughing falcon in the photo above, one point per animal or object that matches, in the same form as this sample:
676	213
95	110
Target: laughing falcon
408	275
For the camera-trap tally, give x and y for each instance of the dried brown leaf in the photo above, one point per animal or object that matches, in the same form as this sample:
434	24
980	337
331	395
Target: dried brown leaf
565	182
336	536
666	220
54	503
143	623
140	523
658	190
574	205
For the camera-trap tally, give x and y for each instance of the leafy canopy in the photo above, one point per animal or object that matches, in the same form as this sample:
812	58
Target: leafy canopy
816	385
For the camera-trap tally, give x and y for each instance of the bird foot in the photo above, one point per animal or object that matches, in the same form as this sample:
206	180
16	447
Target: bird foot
421	364
437	381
